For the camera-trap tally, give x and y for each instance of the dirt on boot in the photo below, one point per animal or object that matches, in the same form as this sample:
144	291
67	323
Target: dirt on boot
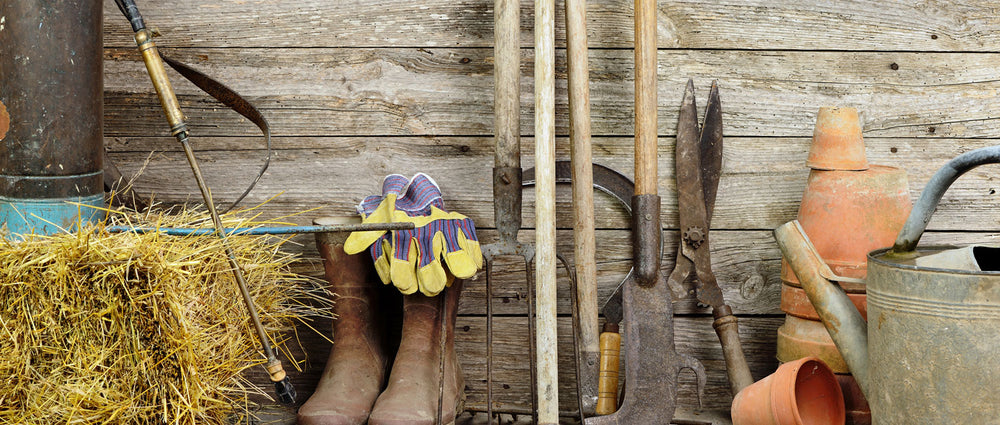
411	397
356	369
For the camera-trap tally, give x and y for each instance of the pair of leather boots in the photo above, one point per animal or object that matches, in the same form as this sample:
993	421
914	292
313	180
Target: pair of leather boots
357	386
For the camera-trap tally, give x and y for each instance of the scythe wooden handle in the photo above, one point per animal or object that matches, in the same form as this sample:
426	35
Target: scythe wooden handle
646	175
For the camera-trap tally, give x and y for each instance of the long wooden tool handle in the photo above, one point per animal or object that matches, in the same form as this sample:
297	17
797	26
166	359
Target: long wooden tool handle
583	192
547	362
507	119
727	328
646	175
178	128
607	384
646	202
507	84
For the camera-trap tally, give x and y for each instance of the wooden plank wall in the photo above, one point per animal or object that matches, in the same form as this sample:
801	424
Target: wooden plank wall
356	89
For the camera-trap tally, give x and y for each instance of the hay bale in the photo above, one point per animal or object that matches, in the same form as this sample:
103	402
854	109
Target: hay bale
128	328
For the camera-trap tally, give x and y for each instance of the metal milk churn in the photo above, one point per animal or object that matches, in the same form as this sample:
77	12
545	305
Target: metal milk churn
52	93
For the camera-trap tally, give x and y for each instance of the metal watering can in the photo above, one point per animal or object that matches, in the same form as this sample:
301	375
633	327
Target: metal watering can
930	351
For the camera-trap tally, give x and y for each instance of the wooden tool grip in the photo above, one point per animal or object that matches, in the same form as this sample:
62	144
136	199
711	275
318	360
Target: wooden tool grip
736	364
646	176
507	84
607	383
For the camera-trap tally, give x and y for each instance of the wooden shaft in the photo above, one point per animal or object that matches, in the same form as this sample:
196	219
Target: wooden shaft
583	172
547	363
171	108
646	178
607	385
274	368
507	80
736	364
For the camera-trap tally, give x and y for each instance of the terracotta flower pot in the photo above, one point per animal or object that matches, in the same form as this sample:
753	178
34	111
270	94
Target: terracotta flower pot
837	142
849	208
803	392
848	214
858	410
795	302
801	338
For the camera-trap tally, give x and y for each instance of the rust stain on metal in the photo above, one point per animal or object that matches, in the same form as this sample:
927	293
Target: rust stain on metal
4	121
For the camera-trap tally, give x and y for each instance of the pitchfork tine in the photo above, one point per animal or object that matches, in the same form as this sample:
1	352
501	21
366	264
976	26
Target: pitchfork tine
576	327
530	278
489	342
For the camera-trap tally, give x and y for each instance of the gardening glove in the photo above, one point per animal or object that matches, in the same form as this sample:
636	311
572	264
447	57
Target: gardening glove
420	254
381	252
417	197
412	259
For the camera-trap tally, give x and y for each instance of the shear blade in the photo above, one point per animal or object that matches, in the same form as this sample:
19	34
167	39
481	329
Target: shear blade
699	163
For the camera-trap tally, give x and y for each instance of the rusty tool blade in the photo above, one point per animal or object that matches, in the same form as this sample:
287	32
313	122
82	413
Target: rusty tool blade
612	309
699	164
620	188
711	150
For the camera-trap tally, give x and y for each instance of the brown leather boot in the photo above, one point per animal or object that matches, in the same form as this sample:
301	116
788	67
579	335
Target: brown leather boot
356	369
412	395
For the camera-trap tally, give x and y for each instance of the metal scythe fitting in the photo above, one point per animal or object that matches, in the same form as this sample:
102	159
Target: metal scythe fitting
646	231
158	75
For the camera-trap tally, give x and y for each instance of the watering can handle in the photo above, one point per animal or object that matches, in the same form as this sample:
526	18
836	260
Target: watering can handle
939	183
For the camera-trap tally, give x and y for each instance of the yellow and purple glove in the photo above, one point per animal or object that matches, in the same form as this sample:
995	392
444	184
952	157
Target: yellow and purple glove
411	259
398	194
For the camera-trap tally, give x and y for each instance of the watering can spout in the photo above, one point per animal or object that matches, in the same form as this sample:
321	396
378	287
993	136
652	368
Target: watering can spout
847	328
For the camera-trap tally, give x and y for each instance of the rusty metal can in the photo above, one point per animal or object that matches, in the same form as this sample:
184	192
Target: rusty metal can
933	342
51	54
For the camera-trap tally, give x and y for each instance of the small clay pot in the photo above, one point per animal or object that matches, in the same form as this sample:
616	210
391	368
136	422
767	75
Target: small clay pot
837	142
800	338
848	214
802	392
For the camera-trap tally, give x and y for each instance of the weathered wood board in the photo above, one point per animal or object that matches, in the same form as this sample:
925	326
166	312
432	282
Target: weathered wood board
935	25
448	91
357	89
760	188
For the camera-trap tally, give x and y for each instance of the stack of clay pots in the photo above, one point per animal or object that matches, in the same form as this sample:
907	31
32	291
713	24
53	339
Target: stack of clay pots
848	209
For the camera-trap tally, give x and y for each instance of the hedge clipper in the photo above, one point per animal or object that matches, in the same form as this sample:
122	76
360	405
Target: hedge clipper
178	128
699	165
